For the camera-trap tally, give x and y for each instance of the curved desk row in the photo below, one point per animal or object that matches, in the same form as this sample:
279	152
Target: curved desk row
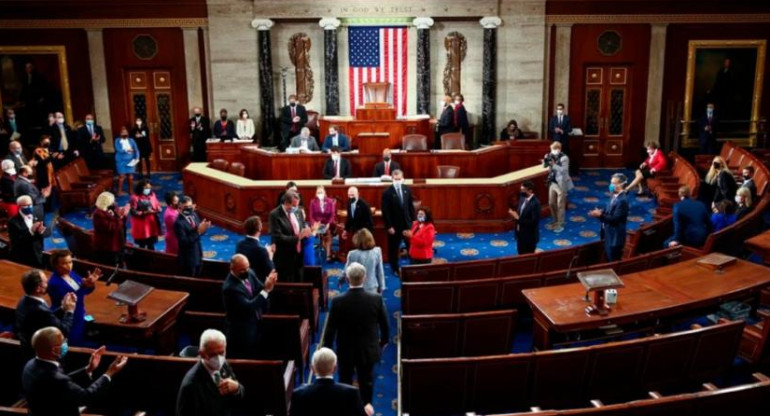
480	163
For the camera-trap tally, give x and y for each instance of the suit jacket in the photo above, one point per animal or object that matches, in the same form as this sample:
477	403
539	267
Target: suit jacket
88	149
613	221
143	142
561	173
461	122
26	187
243	312
692	222
748	183
26	248
18	162
342	142
361	217
288	127
565	125
358	321
259	260
31	315
379	168
312	145
326	398
56	144
200	129
725	186
527	229
199	396
703	121
395	213
226	133
327	216
6	184
446	122
190	250
50	391
345	171
282	234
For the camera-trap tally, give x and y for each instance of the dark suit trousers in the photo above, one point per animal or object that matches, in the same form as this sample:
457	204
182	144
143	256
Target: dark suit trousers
394	248
525	246
364	373
613	253
188	270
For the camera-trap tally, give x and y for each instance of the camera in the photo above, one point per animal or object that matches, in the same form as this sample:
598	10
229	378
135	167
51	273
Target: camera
551	158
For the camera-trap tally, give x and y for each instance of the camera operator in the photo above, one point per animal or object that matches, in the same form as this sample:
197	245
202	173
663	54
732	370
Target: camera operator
559	183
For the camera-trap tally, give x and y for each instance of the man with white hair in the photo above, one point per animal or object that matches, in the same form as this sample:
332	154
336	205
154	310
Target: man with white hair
358	321
359	214
304	141
6	184
27	232
613	218
16	155
209	388
325	397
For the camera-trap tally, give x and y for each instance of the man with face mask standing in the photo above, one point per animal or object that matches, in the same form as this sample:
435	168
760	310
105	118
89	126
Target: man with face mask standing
63	140
188	229
398	215
33	312
51	392
293	118
224	128
560	127
613	218
527	216
200	131
288	230
707	125
209	388
446	121
460	115
90	141
246	299
559	183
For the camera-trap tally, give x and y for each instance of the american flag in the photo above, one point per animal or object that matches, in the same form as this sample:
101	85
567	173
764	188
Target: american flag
377	54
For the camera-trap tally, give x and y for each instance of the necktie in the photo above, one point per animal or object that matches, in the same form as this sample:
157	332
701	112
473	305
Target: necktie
352	210
559	119
217	377
191	222
13	125
336	169
295	228
523	204
293	114
91	130
64	143
400	197
387	168
249	289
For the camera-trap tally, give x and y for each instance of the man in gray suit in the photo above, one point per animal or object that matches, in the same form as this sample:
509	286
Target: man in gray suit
559	183
304	141
24	186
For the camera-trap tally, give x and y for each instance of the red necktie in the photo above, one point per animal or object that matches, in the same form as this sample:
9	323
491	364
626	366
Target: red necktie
387	168
293	114
191	221
295	227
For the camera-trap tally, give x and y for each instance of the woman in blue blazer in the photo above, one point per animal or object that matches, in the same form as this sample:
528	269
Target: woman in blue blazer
64	280
126	152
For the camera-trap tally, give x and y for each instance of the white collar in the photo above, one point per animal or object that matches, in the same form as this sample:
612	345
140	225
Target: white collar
252	237
357	287
331	377
39	299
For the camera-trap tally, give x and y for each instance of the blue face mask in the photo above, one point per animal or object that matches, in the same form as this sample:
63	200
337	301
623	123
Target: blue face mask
27	210
146	191
420	218
64	348
294	210
612	188
90	122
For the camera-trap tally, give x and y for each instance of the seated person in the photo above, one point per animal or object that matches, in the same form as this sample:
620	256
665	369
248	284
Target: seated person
386	166
335	138
656	161
743	202
724	215
304	141
511	131
336	166
691	221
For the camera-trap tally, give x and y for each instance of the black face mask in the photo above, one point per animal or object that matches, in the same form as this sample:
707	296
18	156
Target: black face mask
224	117
746	177
386	158
716	165
46	145
292	104
187	211
244	275
353	200
197	114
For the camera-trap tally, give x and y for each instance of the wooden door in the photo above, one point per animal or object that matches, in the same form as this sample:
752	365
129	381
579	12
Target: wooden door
151	98
607	98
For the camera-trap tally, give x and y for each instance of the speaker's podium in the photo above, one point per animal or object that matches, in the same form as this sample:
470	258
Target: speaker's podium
376	125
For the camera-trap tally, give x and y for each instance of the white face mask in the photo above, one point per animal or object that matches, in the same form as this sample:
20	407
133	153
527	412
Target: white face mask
458	102
709	110
559	112
60	120
398	182
215	362
554	152
738	199
139	123
335	157
321	196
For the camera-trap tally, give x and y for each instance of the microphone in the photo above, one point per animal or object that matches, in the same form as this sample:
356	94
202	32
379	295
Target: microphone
112	276
569	269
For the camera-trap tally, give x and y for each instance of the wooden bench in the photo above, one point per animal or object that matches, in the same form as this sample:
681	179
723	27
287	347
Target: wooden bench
457	334
613	372
648	237
476	295
150	383
667	188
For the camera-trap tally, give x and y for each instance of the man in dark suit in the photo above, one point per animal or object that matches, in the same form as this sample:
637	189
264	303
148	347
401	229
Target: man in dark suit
27	233
188	229
460	121
24	186
336	166
335	138
397	213
293	118
325	397
209	388
260	258
527	216
246	299
359	214
387	166
16	155
224	128
707	125
692	221
63	140
51	392
200	131
33	312
358	321
613	218
90	141
748	182
560	127
10	129
288	229
446	121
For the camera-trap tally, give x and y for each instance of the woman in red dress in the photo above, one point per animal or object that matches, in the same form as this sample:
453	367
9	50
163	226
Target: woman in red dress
145	222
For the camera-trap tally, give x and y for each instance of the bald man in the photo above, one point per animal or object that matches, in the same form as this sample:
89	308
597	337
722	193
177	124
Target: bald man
359	214
246	299
325	397
51	392
200	131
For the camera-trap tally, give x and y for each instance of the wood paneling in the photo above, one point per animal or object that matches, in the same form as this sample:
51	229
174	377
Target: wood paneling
100	9
120	59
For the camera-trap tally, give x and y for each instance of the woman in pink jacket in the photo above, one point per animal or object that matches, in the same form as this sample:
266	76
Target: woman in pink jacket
145	222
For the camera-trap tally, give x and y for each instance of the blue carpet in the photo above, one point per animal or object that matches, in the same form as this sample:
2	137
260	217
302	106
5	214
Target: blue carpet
590	192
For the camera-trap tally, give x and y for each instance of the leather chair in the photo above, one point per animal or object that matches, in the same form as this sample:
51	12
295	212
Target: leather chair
220	164
237	168
447	171
414	142
452	141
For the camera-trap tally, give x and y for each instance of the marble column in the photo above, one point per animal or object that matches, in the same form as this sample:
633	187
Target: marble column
331	76
655	83
489	79
266	93
99	84
561	65
193	67
423	25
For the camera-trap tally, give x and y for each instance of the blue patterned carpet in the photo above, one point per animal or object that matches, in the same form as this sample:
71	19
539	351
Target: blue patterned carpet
591	191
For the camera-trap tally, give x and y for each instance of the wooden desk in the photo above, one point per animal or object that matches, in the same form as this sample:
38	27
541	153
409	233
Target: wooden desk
161	306
396	129
481	163
648	296
760	244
